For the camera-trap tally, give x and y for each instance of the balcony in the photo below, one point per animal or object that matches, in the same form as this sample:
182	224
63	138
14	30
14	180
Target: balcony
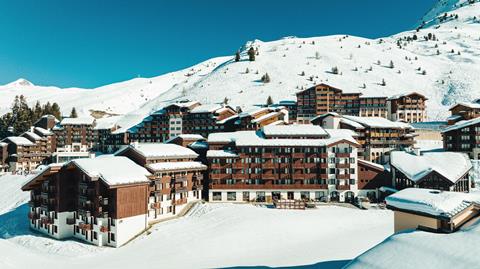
179	201
180	189
70	221
342	187
198	177
197	187
342	155
85	226
46	220
156	205
179	179
342	165
104	229
343	176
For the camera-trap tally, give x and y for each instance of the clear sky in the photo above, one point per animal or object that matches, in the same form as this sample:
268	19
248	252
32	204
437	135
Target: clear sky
87	43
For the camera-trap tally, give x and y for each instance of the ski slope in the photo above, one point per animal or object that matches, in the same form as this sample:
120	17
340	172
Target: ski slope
445	77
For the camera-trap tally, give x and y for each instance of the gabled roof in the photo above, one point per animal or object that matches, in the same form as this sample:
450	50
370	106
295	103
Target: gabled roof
398	96
43	131
32	135
221	154
461	124
377	122
160	150
376	166
113	170
19	141
451	165
466	104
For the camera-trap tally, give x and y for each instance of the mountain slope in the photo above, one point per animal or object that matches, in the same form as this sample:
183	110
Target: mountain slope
444	69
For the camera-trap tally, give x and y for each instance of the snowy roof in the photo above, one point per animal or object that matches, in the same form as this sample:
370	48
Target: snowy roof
78	121
252	111
462	124
288	102
198	145
106	123
265	117
253	138
2	144
160	150
168	166
432	202
294	129
352	123
378	122
451	165
221	154
43	131
20	141
189	137
378	166
116	170
187	104
206	108
33	135
466	104
397	96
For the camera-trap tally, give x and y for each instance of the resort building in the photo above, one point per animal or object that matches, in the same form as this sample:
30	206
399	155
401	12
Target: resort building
446	171
102	201
75	134
432	210
104	141
407	107
290	162
464	111
378	136
23	154
180	118
256	118
322	98
177	178
371	178
3	157
463	136
46	122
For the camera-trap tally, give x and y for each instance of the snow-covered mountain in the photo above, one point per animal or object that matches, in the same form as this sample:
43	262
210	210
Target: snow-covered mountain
444	68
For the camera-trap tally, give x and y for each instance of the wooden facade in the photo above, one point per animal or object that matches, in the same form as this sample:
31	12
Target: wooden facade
463	138
407	108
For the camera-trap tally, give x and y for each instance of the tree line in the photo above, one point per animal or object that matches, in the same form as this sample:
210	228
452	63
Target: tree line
21	116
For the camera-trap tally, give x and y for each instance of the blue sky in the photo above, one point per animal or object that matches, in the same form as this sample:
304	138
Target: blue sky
92	43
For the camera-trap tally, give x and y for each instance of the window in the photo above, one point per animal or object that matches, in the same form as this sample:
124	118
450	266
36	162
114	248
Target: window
319	195
112	237
305	195
246	196
95	235
231	196
217	196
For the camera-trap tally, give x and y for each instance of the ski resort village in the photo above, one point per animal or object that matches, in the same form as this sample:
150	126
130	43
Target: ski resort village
322	152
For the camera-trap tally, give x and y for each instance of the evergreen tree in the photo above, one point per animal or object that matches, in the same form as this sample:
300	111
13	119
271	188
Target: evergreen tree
47	109
391	65
56	111
37	111
237	56
251	54
265	78
269	101
73	114
225	101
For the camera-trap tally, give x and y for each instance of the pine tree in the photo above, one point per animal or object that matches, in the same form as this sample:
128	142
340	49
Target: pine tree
47	109
56	111
335	70
225	101
73	114
391	65
251	54
383	82
237	56
265	78
269	101
37	111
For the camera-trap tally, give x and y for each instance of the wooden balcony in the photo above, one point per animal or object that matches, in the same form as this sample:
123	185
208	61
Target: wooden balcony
342	187
70	221
268	185
342	155
179	201
343	176
342	165
268	165
180	189
85	226
104	229
156	205
270	176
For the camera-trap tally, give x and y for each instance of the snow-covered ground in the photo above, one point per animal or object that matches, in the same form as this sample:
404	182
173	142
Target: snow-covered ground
211	235
417	249
445	77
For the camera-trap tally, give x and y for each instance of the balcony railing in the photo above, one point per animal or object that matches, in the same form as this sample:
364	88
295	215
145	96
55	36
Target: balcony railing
70	221
156	205
85	226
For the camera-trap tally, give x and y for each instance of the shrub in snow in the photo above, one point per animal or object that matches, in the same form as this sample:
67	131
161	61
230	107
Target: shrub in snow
424	72
383	82
302	74
247	71
269	101
265	78
334	70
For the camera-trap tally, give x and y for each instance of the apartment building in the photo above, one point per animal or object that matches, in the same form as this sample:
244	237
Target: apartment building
373	106
177	178
322	98
23	154
464	111
75	134
463	136
445	171
51	140
46	122
407	107
180	118
102	201
3	157
104	141
291	106
371	178
378	136
279	162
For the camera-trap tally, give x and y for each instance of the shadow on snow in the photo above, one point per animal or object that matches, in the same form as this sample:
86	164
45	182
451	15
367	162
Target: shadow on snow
321	265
